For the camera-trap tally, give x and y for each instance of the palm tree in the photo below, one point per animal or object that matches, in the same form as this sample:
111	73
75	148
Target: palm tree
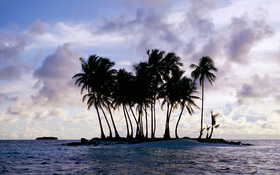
213	122
170	95
97	78
156	68
93	100
171	62
122	95
85	80
142	95
203	72
104	81
169	90
187	89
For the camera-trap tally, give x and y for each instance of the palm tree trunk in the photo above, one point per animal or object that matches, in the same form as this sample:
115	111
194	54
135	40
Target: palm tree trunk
167	130
110	130
100	124
133	114
131	127
212	128
202	99
152	122
138	129
115	129
127	127
141	124
154	106
146	117
176	128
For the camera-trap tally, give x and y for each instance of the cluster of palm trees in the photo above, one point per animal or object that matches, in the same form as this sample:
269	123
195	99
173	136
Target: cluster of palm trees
159	80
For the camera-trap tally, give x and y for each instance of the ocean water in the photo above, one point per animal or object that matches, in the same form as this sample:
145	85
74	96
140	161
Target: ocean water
51	157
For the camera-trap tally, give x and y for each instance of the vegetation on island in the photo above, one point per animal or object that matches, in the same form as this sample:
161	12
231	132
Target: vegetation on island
158	81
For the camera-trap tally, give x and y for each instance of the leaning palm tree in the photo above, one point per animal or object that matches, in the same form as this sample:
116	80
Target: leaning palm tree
107	85
187	89
203	71
171	97
85	80
213	123
92	99
122	94
96	76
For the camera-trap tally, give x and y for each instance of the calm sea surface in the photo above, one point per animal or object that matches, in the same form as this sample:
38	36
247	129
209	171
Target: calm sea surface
51	157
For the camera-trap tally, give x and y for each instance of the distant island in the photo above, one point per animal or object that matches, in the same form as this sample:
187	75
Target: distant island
46	138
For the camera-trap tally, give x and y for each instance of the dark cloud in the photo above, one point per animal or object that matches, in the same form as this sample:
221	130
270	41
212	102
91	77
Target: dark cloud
2	97
37	28
198	22
12	45
55	76
256	90
248	91
244	34
150	26
198	16
203	7
212	48
57	64
229	45
10	72
203	26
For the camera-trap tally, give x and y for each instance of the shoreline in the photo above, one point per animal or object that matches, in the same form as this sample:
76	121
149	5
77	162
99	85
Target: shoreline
120	141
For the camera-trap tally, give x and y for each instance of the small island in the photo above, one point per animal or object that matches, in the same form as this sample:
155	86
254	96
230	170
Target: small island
46	138
118	141
159	81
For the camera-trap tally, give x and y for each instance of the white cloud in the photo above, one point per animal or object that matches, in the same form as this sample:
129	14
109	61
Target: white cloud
55	76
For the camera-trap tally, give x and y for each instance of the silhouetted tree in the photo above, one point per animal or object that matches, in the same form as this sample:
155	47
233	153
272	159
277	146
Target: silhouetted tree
203	71
156	68
213	123
106	77
142	96
170	95
97	78
169	90
92	100
187	89
207	129
122	96
85	79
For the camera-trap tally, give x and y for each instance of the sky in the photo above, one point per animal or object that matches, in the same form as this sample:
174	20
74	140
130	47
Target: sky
41	43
